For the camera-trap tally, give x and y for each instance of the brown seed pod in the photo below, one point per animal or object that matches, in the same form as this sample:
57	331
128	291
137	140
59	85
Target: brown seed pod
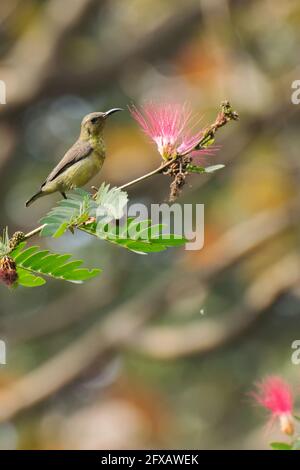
178	172
8	271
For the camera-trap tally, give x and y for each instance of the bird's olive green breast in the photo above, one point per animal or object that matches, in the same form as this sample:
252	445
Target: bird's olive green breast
97	142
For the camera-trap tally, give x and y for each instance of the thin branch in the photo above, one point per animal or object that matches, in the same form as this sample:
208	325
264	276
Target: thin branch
33	232
147	175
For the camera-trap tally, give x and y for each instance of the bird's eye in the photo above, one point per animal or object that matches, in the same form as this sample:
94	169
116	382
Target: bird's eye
94	120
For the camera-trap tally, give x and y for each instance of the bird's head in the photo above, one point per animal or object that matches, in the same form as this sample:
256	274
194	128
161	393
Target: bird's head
93	123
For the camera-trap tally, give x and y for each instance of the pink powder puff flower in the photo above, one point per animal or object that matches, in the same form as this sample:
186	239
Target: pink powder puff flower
275	394
169	126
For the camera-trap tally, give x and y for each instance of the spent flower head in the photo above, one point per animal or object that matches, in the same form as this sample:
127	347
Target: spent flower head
170	127
8	271
274	394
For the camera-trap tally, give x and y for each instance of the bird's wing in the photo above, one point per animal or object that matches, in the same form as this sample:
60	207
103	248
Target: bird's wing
77	152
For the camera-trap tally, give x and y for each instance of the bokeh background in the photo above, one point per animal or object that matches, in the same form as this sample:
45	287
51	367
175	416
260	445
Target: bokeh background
161	350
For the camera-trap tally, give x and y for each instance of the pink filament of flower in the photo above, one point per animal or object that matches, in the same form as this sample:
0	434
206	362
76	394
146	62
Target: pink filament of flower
169	126
276	395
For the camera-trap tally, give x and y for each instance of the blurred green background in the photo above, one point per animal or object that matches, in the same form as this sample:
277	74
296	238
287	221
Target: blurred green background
161	350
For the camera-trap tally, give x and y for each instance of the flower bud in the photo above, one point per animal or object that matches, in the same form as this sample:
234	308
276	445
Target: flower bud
17	238
287	424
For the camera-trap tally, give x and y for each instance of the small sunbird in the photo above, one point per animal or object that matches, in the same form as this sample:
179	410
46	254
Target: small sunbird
82	161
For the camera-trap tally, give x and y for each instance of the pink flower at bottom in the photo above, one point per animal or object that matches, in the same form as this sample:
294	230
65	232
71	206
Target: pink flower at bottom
169	126
276	395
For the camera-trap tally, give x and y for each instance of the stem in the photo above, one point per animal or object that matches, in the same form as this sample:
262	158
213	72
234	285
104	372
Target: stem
147	175
33	232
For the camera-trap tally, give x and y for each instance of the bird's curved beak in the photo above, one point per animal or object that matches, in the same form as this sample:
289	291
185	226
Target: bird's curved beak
111	111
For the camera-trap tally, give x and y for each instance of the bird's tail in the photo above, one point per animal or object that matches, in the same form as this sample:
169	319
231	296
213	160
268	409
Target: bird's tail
34	197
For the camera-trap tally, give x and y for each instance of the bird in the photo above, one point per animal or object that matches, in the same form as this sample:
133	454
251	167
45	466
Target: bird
82	161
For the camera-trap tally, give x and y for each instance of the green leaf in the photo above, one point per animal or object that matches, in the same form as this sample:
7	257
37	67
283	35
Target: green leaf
172	240
202	169
61	230
147	232
110	202
66	268
108	207
297	418
68	213
195	168
145	247
32	261
137	236
213	168
26	279
52	260
205	142
17	250
82	274
77	195
23	255
280	446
